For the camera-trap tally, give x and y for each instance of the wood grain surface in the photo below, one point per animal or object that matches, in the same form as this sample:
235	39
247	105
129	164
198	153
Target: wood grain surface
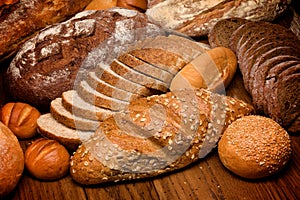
206	179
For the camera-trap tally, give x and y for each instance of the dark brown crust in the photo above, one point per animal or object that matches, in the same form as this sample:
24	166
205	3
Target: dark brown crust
36	14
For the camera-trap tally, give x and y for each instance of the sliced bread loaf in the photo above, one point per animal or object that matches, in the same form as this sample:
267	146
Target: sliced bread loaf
93	97
137	77
79	107
105	88
146	68
65	117
50	128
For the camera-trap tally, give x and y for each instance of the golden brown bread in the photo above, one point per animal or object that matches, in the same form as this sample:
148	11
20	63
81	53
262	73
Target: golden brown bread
20	118
16	28
213	69
155	135
47	159
12	161
101	4
140	5
254	147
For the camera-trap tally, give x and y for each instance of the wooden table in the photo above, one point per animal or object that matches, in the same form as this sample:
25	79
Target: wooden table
206	179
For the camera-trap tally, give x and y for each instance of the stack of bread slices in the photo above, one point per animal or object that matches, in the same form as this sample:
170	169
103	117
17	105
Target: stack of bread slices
268	56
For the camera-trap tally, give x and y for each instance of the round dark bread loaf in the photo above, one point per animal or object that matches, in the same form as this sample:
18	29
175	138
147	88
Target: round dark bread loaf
48	64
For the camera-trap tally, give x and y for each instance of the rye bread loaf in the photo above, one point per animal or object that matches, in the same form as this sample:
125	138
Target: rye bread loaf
73	103
196	18
196	119
52	129
70	48
21	20
266	52
65	117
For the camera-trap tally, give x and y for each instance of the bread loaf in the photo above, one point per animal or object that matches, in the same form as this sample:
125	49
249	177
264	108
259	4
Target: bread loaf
21	20
70	48
196	18
101	4
155	135
12	161
255	147
268	58
211	70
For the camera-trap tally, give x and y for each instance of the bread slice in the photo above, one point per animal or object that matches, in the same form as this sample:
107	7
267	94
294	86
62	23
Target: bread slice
63	116
146	68
79	107
50	128
160	58
222	30
109	76
105	88
137	77
192	131
93	97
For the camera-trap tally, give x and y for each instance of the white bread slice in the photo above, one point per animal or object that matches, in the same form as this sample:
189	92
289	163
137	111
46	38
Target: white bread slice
63	116
103	87
146	68
137	77
109	76
77	106
50	128
96	98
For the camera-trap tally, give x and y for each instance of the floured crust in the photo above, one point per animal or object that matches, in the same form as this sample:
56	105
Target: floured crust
196	18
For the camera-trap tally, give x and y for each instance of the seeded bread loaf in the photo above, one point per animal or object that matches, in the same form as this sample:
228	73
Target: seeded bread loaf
70	48
23	19
196	18
147	146
267	53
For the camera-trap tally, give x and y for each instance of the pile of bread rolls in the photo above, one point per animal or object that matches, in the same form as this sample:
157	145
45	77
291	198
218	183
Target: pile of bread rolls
91	43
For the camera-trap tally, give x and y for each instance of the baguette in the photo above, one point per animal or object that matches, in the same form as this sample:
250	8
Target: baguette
144	141
196	18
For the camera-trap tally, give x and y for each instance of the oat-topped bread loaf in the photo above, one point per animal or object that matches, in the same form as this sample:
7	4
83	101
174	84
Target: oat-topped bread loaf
48	64
155	135
21	20
196	18
268	57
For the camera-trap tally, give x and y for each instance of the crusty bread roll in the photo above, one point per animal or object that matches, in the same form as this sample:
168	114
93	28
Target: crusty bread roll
140	5
11	160
213	69
254	147
20	118
47	159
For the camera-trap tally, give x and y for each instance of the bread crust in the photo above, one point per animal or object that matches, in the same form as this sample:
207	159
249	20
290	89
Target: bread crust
12	160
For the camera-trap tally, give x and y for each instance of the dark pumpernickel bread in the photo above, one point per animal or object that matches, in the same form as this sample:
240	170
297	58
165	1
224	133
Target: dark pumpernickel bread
222	30
48	64
267	56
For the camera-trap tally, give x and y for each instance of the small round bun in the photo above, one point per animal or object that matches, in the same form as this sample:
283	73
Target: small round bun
11	161
254	147
47	159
